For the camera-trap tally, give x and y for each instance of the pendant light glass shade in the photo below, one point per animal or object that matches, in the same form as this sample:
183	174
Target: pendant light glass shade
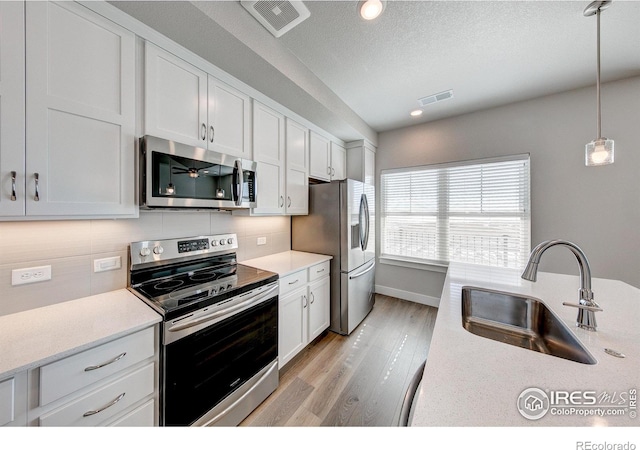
598	152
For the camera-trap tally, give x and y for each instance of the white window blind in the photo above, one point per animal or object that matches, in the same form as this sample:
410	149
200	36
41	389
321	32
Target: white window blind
474	211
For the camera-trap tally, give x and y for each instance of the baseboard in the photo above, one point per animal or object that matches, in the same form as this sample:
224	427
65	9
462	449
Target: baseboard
407	295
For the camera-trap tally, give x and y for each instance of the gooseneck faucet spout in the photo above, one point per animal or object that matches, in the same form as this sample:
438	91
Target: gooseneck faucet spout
586	304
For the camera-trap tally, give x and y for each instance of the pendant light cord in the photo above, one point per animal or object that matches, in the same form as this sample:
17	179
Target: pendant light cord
599	120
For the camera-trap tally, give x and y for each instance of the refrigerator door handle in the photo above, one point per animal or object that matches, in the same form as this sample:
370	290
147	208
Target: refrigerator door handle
368	269
365	240
361	222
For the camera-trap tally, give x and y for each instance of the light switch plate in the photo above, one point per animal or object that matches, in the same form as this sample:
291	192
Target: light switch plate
30	275
105	264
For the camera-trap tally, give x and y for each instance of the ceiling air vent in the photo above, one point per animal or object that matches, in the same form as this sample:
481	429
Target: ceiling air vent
277	16
424	101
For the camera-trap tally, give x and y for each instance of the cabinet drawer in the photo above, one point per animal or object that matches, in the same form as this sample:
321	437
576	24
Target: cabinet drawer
142	416
103	403
292	281
7	401
319	270
75	372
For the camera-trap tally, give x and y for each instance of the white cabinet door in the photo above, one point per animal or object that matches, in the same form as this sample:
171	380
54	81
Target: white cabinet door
319	157
338	162
80	112
319	316
369	166
268	152
292	325
13	400
297	174
175	98
229	120
12	170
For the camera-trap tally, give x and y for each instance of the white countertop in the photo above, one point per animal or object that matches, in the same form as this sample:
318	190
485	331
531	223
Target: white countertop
474	381
36	337
287	262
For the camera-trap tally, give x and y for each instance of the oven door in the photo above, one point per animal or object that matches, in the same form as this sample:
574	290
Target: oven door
181	176
205	367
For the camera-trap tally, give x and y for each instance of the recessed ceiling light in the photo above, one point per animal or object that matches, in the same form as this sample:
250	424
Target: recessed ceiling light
416	113
370	9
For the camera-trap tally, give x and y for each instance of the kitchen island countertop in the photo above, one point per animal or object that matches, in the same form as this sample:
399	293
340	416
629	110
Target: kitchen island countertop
474	381
38	336
288	262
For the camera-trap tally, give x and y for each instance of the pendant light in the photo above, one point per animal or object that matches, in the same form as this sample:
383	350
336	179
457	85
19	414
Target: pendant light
599	151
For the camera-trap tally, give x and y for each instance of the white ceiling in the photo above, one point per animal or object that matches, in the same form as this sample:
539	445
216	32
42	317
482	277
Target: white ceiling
355	78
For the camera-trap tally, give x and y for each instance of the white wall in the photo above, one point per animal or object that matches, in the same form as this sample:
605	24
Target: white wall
71	246
598	208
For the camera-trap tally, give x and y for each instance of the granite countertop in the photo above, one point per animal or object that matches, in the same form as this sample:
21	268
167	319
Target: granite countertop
38	336
288	262
474	381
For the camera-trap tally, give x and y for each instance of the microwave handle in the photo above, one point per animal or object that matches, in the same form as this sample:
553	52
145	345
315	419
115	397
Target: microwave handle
239	181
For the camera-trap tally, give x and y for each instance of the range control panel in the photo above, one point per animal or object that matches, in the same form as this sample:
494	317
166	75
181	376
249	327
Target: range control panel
146	252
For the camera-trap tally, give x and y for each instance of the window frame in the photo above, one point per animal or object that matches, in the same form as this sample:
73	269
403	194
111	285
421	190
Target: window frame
444	214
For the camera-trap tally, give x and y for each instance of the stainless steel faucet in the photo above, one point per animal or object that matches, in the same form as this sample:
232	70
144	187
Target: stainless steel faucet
586	305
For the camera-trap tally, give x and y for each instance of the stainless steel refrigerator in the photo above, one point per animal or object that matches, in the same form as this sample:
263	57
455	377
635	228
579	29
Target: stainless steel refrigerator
341	223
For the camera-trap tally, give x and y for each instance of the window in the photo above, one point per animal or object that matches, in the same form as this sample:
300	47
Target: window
474	211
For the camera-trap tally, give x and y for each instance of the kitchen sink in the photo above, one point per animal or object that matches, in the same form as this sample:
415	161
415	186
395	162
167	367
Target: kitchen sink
521	321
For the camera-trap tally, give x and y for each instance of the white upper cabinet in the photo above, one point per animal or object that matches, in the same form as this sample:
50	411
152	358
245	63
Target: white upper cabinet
269	154
12	154
297	173
187	105
78	154
328	159
338	162
319	157
361	162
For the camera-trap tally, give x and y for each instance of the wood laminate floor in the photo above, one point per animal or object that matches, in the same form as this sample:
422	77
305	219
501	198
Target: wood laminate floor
355	380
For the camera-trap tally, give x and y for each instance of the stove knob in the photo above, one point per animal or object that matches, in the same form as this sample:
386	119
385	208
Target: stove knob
221	289
158	250
229	286
214	242
230	241
144	251
221	241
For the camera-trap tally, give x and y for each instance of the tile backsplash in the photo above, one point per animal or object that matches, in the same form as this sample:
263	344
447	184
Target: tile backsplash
70	247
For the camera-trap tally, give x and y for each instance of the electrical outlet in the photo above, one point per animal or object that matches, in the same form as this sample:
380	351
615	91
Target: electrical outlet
30	275
262	240
104	264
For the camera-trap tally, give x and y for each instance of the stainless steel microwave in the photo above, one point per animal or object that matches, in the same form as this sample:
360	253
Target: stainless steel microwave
175	175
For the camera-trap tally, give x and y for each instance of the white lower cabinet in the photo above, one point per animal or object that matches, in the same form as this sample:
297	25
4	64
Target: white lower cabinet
113	384
13	400
303	312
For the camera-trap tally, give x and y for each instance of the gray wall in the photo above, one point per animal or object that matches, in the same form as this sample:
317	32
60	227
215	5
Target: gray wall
598	208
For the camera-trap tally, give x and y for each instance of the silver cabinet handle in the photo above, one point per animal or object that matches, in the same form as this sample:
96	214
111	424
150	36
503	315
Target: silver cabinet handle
13	186
37	196
321	270
111	361
293	282
333	172
281	201
212	133
204	131
305	303
289	203
313	297
108	405
328	170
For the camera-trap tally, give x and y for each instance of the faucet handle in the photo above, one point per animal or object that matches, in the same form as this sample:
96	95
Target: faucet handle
594	308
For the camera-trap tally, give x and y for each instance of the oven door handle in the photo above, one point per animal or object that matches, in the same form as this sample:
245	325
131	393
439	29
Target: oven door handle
255	299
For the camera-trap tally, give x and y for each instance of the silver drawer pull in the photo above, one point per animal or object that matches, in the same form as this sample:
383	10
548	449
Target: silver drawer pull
13	186
321	270
293	282
117	358
37	196
108	405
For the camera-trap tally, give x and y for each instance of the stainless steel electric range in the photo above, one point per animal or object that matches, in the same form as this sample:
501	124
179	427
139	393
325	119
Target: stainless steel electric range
219	336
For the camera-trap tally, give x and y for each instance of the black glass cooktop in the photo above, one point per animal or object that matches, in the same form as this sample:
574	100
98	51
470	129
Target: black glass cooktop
181	288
